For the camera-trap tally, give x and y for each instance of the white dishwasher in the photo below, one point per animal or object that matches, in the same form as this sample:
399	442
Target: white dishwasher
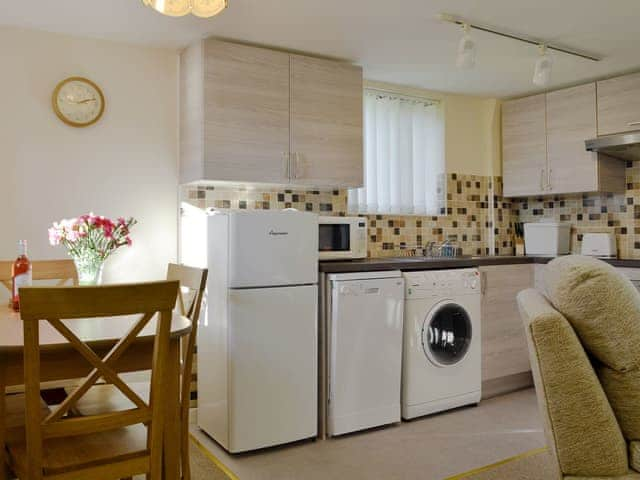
365	350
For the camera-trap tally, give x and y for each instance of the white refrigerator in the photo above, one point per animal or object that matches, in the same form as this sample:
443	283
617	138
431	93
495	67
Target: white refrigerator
257	340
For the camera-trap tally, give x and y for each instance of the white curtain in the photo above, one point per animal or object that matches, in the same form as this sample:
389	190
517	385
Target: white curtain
403	157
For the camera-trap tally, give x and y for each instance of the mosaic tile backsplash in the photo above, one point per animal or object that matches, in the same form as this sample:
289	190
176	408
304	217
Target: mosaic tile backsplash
618	214
476	218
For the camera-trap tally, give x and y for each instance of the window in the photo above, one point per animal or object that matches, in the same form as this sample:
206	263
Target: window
403	156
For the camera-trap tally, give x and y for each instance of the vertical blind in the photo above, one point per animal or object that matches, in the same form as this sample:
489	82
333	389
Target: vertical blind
403	156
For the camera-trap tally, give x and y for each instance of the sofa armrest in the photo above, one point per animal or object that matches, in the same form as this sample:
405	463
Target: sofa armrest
580	426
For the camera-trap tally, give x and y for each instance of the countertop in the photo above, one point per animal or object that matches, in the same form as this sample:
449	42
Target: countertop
422	263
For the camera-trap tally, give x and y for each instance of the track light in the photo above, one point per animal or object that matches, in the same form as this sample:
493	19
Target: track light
466	57
466	49
542	71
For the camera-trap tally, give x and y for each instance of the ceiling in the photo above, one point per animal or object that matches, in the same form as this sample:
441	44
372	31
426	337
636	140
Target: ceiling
400	42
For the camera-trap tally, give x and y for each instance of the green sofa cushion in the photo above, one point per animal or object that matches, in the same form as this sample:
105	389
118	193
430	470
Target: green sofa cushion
602	306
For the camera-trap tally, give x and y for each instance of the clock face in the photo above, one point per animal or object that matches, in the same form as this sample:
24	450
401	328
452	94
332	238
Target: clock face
78	102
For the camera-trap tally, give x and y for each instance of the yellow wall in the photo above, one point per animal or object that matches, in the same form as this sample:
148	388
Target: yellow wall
472	125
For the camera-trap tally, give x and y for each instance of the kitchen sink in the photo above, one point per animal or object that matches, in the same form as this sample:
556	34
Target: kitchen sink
430	259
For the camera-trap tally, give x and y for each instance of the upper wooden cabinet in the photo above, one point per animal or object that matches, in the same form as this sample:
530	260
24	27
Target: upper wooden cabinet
524	146
244	121
326	122
251	114
543	146
571	119
619	104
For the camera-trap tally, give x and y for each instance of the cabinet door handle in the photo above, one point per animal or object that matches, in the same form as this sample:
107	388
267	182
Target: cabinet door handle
296	165
542	180
549	180
633	124
286	161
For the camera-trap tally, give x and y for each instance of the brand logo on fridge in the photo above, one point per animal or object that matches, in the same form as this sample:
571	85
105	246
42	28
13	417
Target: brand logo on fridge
275	233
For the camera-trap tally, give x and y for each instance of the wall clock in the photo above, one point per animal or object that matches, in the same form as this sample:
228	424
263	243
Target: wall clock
78	102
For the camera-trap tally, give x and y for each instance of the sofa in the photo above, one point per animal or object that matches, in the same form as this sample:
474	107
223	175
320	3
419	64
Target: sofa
583	333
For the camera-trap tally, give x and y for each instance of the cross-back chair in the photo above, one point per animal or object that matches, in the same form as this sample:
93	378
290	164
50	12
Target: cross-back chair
103	398
62	270
116	444
65	272
194	281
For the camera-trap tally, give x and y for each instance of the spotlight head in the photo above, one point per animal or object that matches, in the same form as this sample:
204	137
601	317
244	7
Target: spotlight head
466	50
543	67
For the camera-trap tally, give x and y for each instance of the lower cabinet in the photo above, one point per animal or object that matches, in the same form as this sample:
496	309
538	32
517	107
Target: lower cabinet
505	356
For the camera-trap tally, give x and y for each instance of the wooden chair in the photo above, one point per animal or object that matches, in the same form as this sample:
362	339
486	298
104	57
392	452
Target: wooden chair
62	270
65	272
104	398
113	445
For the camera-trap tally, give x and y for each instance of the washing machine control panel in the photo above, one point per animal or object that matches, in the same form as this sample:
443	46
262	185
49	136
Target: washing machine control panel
464	281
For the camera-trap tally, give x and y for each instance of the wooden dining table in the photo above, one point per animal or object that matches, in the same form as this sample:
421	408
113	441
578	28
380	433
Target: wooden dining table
60	361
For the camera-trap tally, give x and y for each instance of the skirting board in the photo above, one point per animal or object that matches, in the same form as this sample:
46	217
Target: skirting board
511	383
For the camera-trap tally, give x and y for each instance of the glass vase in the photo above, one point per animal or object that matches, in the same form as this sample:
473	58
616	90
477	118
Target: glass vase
89	267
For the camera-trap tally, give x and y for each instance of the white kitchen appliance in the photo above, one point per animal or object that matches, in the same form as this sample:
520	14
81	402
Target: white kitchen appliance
601	245
442	358
547	238
365	350
342	237
257	345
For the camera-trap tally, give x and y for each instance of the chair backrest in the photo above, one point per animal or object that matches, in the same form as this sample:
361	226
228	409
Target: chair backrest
54	304
193	282
62	270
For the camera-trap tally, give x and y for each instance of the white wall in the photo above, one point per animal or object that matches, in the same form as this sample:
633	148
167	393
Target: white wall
126	164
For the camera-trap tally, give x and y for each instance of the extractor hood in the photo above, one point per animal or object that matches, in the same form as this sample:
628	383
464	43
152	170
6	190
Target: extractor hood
625	146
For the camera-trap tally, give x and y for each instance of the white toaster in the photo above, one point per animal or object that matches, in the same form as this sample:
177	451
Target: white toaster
601	245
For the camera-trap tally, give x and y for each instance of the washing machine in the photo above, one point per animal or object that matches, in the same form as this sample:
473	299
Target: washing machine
441	367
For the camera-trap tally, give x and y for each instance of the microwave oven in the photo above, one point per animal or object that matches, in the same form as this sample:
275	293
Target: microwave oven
342	238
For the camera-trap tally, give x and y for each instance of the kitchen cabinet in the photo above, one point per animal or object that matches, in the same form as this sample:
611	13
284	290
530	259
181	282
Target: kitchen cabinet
505	355
619	104
543	146
255	115
571	119
326	122
243	121
524	146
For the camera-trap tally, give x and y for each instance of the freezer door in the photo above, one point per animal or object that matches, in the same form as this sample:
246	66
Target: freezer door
365	354
272	380
272	248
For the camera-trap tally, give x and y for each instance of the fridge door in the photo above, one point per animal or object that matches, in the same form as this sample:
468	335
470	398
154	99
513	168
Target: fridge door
272	248
272	380
365	354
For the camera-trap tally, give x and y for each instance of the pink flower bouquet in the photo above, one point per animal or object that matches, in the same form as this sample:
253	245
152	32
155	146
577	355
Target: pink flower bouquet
89	240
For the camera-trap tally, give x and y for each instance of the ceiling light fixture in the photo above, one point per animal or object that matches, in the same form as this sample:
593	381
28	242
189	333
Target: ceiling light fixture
179	8
466	49
542	71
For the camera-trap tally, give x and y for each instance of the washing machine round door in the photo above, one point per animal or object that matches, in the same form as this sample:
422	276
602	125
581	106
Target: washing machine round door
446	334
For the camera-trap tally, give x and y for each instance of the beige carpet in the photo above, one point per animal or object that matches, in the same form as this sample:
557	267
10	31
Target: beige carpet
532	465
203	466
